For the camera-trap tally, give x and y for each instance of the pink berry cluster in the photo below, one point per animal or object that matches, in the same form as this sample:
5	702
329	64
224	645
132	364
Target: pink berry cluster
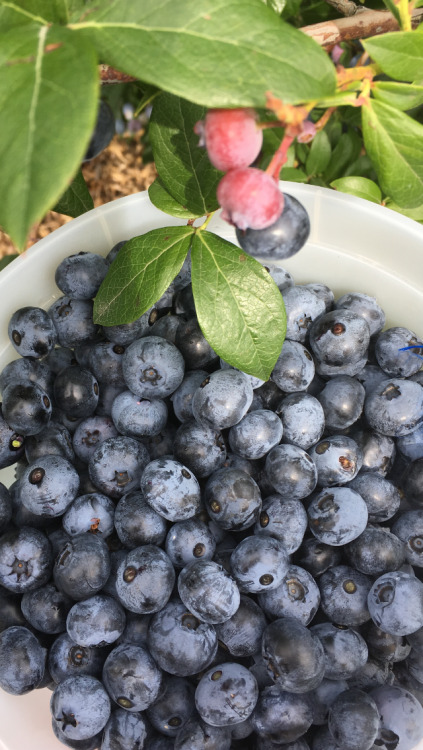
249	197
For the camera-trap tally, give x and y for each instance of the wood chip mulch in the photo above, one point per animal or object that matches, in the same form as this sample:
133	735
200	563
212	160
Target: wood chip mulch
118	171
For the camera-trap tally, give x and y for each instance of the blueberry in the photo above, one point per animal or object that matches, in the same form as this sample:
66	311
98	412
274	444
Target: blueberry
67	658
232	499
280	276
48	486
25	560
345	650
189	540
73	321
80	707
293	655
365	306
171	489
172	709
138	417
283	238
409	529
291	471
131	677
303	307
294	369
259	563
179	642
82	567
145	579
116	466
153	367
297	596
256	434
395	603
22	370
202	449
105	362
26	408
380	495
53	440
192	344
136	523
103	132
242	633
208	591
92	513
401	717
342	400
394	355
5	507
375	551
46	609
317	557
226	694
337	515
198	735
338	460
32	332
76	391
384	646
282	716
303	419
125	731
12	444
378	451
97	621
90	433
343	592
284	519
79	276
354	720
339	338
222	399
126	333
395	407
22	660
182	396
413	483
322	698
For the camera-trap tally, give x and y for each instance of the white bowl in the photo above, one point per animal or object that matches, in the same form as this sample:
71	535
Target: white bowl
354	245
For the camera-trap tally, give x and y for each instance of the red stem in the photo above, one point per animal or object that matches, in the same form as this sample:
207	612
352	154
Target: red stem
279	158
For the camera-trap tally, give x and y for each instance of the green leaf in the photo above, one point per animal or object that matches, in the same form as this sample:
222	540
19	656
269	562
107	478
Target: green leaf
49	90
412	213
239	307
360	186
346	150
393	7
164	201
53	11
399	54
148	96
6	260
140	274
333	130
293	174
394	143
12	15
212	52
277	5
76	200
319	155
400	95
184	168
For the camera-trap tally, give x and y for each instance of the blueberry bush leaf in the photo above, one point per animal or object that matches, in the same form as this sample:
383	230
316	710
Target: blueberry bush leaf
394	142
52	11
76	200
360	186
400	95
11	15
239	307
399	54
184	168
212	52
140	274
42	70
319	155
160	198
6	260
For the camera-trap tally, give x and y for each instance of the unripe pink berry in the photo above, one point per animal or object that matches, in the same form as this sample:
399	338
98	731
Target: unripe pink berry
249	198
231	137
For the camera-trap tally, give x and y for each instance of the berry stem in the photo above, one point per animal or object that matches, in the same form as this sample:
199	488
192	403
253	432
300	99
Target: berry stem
279	158
404	14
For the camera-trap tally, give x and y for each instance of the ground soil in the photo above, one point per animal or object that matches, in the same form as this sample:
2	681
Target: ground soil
118	171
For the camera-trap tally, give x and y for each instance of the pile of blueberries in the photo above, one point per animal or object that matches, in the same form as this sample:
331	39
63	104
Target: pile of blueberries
191	558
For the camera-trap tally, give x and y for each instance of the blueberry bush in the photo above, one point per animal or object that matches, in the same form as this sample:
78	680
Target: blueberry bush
349	117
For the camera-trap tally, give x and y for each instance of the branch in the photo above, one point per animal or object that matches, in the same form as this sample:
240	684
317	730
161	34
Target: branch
346	7
327	34
360	26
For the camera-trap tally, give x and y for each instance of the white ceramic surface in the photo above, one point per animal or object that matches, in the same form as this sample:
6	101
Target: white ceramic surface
354	245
